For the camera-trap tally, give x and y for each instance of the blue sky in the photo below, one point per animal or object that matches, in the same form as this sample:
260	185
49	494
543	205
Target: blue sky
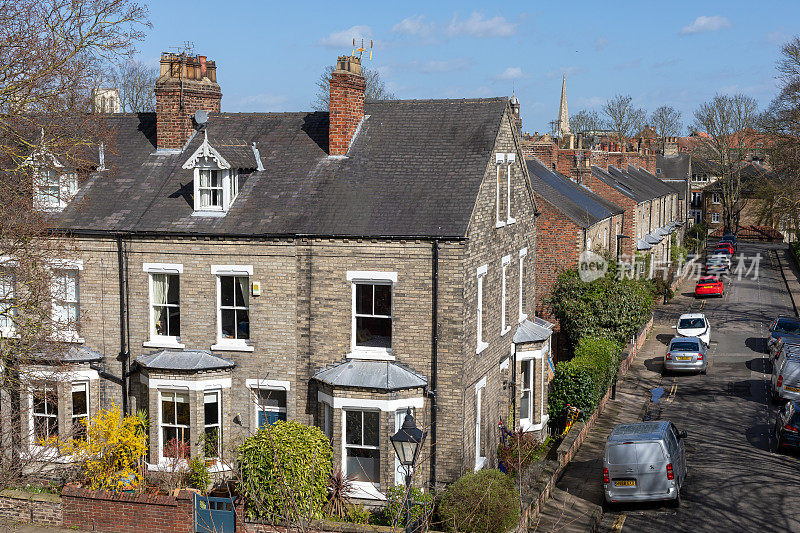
270	54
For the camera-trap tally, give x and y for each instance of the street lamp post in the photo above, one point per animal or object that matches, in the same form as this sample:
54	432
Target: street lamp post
407	444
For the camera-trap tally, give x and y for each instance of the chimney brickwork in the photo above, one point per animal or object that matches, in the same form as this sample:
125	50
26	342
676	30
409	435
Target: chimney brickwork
186	84
346	104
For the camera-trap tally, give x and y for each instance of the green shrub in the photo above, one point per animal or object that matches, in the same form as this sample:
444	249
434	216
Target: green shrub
198	476
484	502
607	307
584	380
284	470
358	514
394	514
521	449
795	248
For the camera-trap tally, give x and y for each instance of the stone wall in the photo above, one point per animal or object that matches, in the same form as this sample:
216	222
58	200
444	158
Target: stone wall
25	508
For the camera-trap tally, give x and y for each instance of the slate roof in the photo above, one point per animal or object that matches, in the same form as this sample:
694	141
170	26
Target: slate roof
674	167
753	177
413	169
528	331
634	182
577	202
73	354
377	375
187	360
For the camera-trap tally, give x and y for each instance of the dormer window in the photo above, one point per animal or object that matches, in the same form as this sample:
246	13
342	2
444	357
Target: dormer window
216	184
54	190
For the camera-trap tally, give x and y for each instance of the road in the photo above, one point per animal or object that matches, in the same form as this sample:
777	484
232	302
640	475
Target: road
736	482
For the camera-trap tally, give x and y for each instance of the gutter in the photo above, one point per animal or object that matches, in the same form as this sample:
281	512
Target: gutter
183	234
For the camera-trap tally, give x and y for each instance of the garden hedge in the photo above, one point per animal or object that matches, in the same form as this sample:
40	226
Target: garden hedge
485	502
284	471
583	381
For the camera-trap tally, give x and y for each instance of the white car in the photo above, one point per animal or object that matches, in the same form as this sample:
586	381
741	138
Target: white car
694	325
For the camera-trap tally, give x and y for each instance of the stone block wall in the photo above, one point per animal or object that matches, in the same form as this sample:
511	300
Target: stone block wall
23	508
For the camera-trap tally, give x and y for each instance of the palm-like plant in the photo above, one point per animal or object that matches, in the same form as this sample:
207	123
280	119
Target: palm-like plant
339	489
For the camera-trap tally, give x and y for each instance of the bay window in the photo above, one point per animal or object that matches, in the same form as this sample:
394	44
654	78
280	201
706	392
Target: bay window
361	443
212	434
174	422
526	396
80	410
45	412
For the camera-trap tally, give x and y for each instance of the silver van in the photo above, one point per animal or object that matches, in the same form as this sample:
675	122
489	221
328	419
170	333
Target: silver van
786	374
644	461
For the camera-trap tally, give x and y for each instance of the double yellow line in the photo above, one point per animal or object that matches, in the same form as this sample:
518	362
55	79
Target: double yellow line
672	392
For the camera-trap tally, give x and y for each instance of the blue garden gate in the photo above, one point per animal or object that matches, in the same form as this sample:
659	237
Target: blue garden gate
214	515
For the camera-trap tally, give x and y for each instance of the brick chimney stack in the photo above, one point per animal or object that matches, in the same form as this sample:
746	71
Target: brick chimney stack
346	104
186	84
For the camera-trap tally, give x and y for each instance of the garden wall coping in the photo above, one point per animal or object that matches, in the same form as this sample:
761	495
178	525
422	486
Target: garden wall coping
25	495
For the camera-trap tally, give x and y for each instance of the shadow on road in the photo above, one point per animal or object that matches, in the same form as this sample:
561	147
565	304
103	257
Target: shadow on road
758	436
760	364
664	338
654	364
756	344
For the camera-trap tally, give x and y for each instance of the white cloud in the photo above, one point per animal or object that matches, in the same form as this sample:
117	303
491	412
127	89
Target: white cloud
344	38
510	74
778	37
600	43
415	26
479	26
704	24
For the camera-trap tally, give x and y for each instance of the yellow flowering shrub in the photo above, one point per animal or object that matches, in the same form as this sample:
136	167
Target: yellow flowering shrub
111	454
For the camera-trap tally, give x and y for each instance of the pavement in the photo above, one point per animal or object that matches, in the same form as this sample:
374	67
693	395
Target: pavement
9	527
736	480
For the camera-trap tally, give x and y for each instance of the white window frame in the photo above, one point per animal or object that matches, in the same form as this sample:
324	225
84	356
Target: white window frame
481	344
172	391
228	188
523	253
510	158
218	425
715	198
256	386
715	218
480	460
65	182
8	299
45	386
73	417
66	332
528	387
504	327
234	345
161	341
500	159
199	188
369	277
365	486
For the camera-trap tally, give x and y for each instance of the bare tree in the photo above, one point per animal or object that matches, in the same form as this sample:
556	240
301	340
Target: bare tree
625	119
52	54
136	82
726	119
666	120
586	120
375	87
781	125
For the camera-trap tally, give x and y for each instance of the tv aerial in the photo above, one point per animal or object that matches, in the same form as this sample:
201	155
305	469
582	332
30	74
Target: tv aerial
361	49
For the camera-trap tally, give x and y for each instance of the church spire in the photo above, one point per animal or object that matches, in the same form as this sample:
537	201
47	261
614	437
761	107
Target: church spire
562	126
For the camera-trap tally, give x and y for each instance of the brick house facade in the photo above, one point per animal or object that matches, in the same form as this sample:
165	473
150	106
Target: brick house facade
268	266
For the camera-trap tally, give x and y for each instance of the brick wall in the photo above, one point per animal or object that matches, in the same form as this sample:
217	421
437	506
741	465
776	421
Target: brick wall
126	513
22	508
346	105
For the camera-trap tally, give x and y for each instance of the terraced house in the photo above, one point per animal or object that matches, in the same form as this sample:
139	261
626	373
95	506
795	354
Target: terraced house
330	268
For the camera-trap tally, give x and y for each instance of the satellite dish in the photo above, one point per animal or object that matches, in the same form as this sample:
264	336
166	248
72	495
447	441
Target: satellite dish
201	116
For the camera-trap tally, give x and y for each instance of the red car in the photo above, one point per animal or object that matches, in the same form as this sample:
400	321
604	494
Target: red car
709	286
725	247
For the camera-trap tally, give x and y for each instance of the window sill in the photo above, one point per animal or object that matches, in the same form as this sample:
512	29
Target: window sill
45	454
364	490
232	346
211	214
166	342
510	220
523	317
67	336
167	464
499	224
373	354
480	462
526	424
506	330
481	347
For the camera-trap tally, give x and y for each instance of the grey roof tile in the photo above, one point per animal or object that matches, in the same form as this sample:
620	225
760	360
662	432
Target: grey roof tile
186	360
377	375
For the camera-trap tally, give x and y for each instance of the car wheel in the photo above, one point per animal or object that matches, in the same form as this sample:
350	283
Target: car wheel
705	370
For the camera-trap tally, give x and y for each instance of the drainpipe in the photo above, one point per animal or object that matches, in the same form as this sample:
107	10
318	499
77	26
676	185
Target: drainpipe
124	324
432	389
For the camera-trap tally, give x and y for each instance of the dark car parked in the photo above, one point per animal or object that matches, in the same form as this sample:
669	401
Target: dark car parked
731	238
787	426
782	325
